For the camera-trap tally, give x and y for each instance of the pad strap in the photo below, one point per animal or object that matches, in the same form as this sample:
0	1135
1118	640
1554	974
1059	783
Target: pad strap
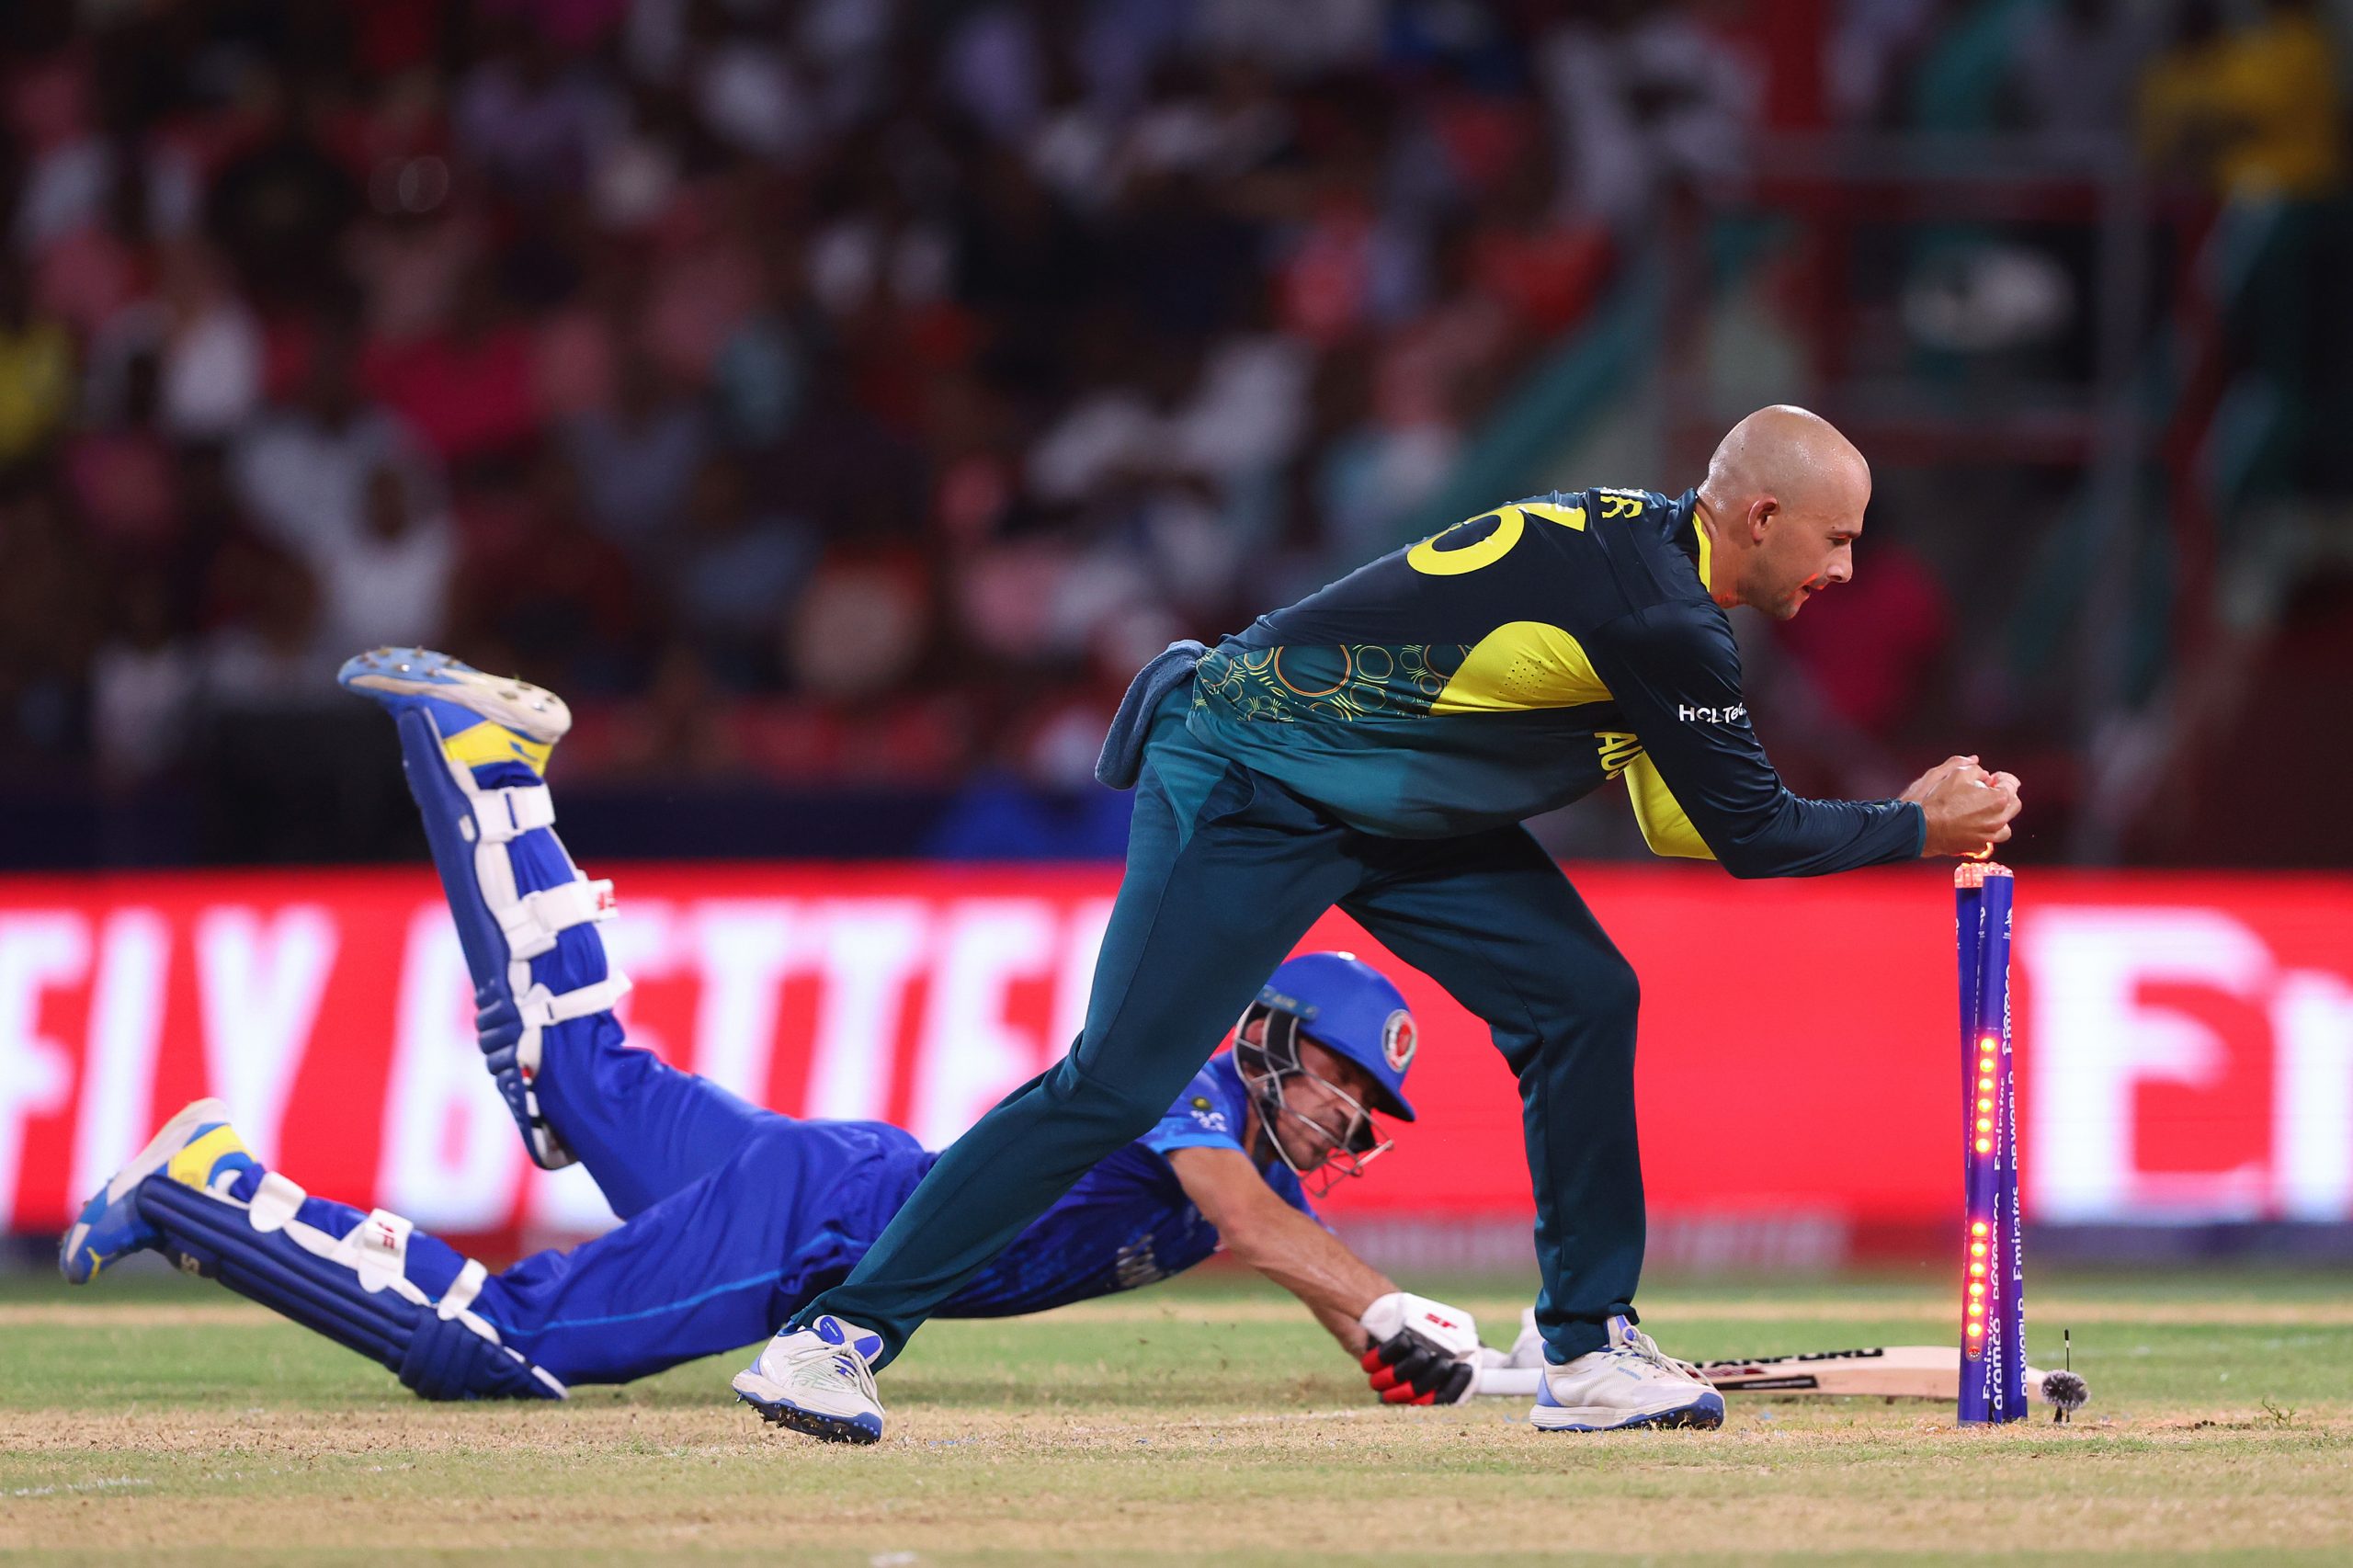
541	1007
532	921
276	1202
377	1250
462	1289
502	815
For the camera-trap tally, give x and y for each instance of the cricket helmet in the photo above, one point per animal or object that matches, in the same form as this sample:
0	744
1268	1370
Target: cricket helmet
1349	1008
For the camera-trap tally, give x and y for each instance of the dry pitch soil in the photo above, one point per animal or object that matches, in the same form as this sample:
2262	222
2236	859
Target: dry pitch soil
157	1418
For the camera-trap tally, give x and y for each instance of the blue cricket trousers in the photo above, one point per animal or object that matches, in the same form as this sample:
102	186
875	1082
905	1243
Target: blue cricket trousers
735	1216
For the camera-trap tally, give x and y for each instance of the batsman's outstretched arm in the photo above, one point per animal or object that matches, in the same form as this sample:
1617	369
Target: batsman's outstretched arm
1259	1229
1414	1351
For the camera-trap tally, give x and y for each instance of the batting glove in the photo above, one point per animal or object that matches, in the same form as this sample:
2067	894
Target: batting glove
1423	1352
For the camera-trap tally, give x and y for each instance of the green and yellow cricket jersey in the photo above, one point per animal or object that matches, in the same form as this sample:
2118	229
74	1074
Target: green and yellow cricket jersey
1516	663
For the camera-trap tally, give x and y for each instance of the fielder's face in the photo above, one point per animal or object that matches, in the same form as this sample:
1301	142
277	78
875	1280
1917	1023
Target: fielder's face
1800	552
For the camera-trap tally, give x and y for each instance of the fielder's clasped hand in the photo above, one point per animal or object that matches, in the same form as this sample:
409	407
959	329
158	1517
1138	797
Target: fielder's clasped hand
1968	809
1423	1352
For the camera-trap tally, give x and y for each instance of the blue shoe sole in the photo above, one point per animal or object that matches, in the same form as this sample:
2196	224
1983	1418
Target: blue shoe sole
423	664
422	668
859	1429
404	678
78	1259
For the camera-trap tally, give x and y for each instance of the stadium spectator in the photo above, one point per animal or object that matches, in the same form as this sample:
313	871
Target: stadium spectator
545	590
465	387
2254	110
143	686
637	460
279	208
390	584
206	341
529	119
738	573
265	653
50	608
1645	99
2075	66
36	372
120	473
302	470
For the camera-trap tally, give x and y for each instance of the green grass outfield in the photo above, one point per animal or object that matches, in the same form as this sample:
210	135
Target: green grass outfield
1210	1421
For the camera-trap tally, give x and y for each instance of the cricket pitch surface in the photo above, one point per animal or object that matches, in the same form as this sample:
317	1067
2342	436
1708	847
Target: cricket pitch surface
1210	1421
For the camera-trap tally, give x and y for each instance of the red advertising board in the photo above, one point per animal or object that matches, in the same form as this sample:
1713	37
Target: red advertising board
2187	1043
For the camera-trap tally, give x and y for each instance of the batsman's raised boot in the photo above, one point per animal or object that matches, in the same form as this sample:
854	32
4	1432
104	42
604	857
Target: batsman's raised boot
818	1380
371	1282
197	1145
1629	1383
475	748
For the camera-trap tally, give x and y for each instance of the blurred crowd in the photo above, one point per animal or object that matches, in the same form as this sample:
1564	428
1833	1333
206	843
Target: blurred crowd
845	390
816	389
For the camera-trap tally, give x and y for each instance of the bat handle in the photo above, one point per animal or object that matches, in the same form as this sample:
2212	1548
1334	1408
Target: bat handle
1508	1383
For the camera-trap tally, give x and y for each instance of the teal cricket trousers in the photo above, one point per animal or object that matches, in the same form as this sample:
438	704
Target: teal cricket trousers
1226	870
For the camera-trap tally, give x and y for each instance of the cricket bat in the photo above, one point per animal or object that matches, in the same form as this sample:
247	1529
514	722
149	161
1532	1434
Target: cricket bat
1886	1371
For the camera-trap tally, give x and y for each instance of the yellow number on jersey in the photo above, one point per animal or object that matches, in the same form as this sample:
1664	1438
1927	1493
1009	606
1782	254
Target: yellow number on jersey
1510	522
1431	561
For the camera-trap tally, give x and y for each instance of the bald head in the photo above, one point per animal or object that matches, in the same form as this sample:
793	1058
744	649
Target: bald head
1792	454
1782	504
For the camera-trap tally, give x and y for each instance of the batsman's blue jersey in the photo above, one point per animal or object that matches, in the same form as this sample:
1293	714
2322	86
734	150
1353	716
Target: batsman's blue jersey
1516	663
1128	1221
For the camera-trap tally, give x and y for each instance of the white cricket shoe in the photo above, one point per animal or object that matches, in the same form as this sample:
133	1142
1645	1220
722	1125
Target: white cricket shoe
818	1380
1630	1382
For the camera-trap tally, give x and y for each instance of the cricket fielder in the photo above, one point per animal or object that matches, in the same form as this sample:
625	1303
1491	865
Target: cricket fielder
734	1217
1377	746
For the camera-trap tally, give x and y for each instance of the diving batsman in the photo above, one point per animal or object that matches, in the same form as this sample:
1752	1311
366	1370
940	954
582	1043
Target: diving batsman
733	1218
1377	746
